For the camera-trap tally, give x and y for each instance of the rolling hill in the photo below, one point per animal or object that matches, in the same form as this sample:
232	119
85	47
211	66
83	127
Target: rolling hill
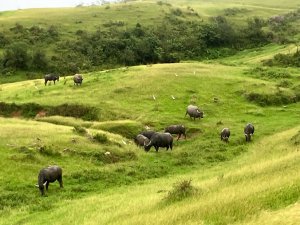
201	181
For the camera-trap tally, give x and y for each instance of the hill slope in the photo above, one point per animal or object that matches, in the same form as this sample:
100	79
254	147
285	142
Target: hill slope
88	130
125	96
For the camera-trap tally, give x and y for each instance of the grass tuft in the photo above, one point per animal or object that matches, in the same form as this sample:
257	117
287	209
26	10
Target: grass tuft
181	190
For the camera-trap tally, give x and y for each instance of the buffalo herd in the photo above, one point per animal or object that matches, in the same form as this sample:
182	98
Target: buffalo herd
145	139
150	138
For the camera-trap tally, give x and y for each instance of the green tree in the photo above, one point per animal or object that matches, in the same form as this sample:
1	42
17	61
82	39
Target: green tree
39	61
16	56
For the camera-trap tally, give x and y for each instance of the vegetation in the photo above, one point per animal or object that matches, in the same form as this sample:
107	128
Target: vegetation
88	130
40	48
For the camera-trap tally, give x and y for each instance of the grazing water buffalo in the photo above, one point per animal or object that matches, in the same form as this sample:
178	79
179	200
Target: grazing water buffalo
248	131
77	79
176	129
49	175
194	111
148	133
51	76
225	134
164	140
140	140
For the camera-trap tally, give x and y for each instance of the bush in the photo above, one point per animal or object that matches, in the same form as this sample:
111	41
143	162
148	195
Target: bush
268	73
276	99
101	138
48	151
181	190
79	130
284	60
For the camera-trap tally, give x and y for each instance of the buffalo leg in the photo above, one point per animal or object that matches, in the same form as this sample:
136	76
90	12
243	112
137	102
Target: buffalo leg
179	135
60	182
156	148
47	185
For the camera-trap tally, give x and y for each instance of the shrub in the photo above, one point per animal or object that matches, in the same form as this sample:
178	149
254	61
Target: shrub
101	138
285	83
278	98
48	151
181	190
79	130
267	73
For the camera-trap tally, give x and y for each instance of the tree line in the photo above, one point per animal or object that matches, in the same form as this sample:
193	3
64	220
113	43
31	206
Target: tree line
47	50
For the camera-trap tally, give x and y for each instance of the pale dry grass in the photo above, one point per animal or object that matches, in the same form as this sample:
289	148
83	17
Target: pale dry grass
230	194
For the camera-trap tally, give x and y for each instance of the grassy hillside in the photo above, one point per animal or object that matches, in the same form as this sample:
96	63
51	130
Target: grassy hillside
223	174
202	180
255	189
144	12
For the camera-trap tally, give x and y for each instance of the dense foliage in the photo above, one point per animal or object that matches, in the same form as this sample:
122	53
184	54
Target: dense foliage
46	49
284	60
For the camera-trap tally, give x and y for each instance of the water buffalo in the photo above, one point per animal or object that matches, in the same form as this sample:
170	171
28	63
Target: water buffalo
140	140
51	76
164	140
176	129
148	133
77	79
248	131
49	175
194	112
225	134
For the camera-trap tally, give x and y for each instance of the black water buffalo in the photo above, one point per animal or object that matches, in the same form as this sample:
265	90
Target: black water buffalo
194	112
176	129
164	140
148	133
49	175
52	77
77	79
141	140
225	134
248	131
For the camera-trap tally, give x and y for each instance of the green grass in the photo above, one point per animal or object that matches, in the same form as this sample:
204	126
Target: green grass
201	181
145	12
263	184
125	101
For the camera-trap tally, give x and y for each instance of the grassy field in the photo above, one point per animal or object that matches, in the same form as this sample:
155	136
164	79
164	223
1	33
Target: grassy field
146	12
234	183
201	181
261	187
